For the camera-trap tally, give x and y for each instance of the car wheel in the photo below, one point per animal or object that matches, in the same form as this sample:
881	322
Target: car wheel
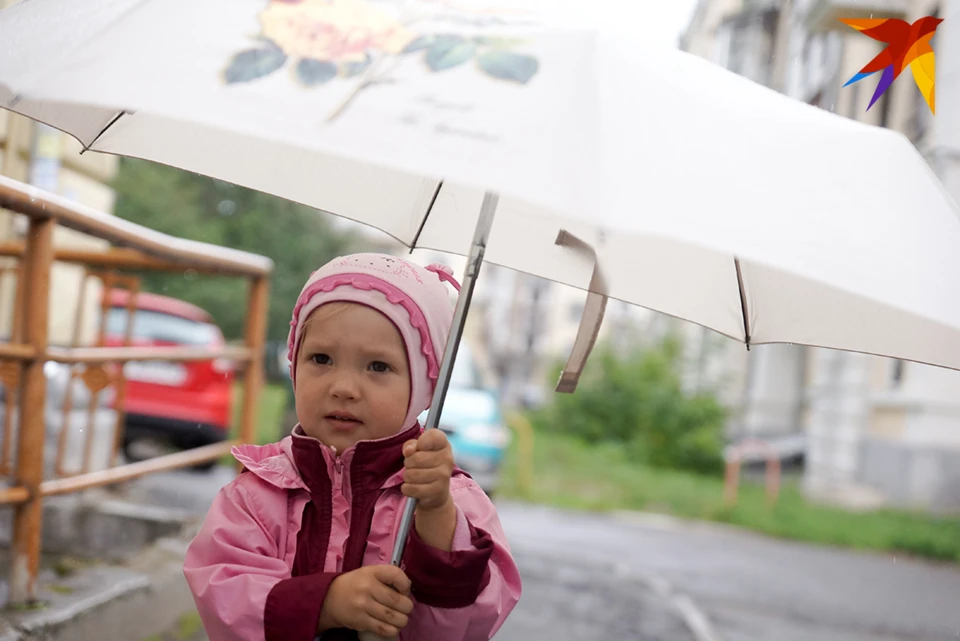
146	448
204	467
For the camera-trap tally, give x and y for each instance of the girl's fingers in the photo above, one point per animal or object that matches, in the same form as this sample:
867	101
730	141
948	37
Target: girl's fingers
370	623
429	441
432	441
388	616
394	601
393	577
420	476
422	491
428	459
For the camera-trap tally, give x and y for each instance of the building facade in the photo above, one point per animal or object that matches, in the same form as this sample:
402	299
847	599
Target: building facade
874	430
36	154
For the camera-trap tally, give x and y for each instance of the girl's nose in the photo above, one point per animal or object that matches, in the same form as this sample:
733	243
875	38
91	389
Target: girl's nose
345	386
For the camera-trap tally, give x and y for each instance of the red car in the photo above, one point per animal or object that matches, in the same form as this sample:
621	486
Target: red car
171	405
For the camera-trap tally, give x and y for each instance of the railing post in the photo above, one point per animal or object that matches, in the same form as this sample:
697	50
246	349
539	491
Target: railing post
256	331
28	516
734	457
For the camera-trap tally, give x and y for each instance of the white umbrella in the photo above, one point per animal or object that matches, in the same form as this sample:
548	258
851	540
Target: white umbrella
705	196
649	176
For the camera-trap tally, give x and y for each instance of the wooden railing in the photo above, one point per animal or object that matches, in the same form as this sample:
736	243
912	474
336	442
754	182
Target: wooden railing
22	359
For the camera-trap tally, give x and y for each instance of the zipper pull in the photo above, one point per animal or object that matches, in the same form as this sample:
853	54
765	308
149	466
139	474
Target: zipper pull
337	462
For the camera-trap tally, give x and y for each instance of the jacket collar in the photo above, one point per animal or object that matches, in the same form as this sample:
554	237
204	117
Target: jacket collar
302	462
369	464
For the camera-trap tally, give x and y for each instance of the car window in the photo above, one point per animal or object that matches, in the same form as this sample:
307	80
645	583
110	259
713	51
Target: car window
157	326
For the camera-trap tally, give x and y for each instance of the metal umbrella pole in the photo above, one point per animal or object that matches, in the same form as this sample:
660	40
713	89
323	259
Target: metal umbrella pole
477	249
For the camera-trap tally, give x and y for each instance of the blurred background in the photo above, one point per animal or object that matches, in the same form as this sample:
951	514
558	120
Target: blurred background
865	451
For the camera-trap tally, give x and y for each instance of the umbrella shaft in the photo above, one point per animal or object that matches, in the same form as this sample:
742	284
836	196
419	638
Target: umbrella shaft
477	249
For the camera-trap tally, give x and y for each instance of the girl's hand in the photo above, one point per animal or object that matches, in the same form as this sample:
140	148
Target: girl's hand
374	598
428	466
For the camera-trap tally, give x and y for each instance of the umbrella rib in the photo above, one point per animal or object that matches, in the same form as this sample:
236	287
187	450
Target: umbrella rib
743	303
423	222
87	148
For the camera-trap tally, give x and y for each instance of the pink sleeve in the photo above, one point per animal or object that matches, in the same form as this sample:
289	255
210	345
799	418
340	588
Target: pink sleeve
240	585
478	535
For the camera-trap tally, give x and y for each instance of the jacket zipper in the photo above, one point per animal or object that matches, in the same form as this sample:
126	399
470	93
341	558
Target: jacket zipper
337	472
338	494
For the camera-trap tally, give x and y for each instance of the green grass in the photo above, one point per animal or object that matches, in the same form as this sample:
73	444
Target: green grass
269	423
273	400
189	626
61	589
571	474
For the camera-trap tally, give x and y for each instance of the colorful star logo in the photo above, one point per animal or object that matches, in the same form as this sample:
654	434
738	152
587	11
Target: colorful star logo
907	44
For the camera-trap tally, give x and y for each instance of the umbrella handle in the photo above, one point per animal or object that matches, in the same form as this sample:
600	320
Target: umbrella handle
477	250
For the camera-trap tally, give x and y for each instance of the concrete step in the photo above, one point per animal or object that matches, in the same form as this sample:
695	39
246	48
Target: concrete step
143	597
96	524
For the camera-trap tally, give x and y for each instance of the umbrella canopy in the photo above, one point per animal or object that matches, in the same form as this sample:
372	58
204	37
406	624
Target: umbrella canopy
688	190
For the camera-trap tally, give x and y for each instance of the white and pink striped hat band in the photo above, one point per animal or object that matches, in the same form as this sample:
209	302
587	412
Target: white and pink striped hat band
414	298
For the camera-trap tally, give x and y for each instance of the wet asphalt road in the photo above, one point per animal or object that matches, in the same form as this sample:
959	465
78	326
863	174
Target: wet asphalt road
753	588
589	577
567	601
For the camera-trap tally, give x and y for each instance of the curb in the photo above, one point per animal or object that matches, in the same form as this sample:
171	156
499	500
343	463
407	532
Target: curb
48	622
145	597
667	523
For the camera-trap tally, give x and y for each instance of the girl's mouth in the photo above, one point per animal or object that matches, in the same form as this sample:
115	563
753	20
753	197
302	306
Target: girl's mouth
343	421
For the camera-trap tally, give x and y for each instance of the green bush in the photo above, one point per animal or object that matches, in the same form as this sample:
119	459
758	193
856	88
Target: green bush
636	400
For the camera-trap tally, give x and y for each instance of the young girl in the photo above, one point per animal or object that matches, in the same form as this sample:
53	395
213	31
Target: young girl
298	546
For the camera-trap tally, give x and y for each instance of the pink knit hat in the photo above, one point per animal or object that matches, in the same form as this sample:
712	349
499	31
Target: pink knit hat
414	298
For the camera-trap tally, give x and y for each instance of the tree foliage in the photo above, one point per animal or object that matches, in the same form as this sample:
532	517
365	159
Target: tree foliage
636	399
297	238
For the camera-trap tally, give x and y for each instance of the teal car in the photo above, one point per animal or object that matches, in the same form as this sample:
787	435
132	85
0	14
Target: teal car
473	422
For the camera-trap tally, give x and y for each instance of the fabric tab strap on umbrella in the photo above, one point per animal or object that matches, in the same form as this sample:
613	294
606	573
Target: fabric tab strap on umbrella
592	317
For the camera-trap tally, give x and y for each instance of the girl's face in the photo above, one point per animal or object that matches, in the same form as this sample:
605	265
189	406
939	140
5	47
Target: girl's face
353	379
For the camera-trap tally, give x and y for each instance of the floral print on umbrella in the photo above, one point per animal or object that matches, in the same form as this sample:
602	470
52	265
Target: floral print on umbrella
326	39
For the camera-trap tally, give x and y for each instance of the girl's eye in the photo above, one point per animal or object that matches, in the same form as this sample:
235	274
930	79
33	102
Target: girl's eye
320	359
379	366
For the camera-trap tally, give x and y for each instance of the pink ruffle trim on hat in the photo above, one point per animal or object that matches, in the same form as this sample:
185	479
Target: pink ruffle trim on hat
393	294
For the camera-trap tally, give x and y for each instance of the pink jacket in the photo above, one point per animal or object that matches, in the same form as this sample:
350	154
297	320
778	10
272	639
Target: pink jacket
298	516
